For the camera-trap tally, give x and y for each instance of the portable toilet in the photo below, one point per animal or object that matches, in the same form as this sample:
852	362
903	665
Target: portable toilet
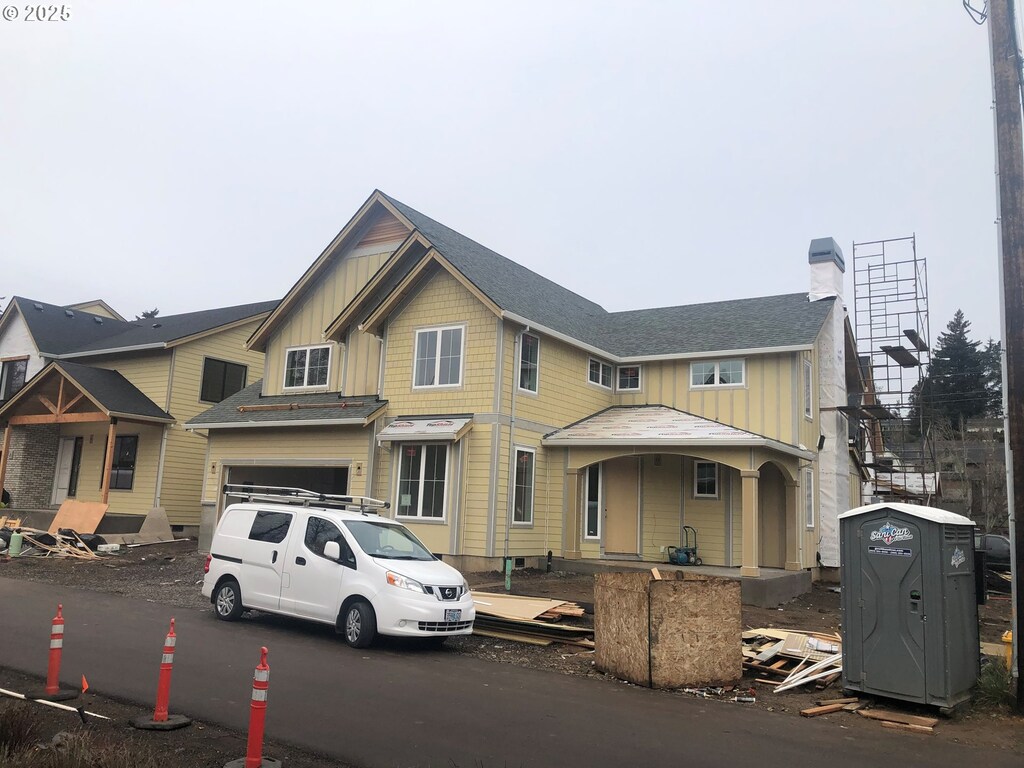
909	607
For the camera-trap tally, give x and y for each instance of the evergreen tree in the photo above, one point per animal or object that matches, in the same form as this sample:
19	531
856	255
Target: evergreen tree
148	314
958	385
993	355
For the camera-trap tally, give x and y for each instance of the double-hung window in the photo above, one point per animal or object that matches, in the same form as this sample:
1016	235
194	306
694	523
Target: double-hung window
529	362
808	390
600	373
717	373
438	357
307	367
422	472
122	468
705	480
12	377
523	503
221	379
628	378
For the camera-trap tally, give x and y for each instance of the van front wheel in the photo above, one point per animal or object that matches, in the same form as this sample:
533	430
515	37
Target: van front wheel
360	625
227	601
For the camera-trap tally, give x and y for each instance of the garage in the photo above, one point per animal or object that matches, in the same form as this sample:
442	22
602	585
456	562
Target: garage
320	479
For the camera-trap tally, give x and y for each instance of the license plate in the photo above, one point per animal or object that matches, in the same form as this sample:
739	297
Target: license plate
453	614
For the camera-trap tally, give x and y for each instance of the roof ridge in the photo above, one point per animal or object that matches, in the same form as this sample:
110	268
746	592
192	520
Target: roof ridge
712	303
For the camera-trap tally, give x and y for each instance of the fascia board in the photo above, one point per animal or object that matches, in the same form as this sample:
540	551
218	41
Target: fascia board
110	351
668	443
256	424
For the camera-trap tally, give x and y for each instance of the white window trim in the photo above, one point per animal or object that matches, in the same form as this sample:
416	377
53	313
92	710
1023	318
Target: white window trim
437	362
809	498
640	378
418	517
611	374
714	495
520	369
808	389
600	504
305	376
533	489
717	363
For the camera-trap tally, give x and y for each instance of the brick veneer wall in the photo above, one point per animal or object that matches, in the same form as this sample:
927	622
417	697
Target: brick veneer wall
31	466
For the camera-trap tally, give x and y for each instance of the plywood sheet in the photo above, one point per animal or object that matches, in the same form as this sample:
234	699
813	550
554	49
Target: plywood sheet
79	516
513	606
621	624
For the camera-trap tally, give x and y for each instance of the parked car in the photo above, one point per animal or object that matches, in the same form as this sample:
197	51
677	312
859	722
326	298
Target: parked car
996	549
334	560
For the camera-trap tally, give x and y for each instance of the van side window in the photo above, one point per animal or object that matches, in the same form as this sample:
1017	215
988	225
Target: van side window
270	526
319	532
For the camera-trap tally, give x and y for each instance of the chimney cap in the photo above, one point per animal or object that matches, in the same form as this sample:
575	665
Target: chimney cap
824	250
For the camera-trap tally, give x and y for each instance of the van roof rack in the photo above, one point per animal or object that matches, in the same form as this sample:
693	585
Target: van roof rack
305	498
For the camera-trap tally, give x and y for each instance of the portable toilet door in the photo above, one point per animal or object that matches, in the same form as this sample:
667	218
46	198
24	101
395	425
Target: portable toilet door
906	628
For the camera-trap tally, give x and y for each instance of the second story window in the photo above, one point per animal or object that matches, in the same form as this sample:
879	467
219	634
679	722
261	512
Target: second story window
438	357
600	373
221	379
628	378
12	377
808	390
307	367
717	373
529	362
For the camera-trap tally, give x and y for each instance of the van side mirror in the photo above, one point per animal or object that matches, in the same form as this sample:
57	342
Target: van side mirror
332	551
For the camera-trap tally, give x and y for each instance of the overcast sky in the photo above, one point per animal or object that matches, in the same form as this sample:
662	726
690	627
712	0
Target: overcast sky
187	155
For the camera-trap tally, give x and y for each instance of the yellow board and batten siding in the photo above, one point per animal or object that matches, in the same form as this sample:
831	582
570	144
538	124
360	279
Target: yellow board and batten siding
325	298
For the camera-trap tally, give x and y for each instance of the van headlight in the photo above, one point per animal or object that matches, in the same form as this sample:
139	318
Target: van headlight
404	582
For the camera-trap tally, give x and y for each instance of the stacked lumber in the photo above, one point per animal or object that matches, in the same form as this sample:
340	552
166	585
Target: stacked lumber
899	721
528	620
787	658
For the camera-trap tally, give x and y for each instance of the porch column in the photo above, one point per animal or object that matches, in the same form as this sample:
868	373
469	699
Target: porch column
751	524
571	531
793	528
108	462
3	456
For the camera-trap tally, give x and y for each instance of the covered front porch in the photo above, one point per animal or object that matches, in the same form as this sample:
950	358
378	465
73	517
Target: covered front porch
639	480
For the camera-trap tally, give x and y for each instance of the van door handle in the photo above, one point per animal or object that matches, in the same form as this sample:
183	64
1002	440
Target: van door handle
300	561
274	558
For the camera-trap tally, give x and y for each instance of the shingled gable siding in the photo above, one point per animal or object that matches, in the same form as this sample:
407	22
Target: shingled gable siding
185	454
304	326
32	464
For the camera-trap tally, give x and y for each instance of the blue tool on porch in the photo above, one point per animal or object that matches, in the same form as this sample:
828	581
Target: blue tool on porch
686	554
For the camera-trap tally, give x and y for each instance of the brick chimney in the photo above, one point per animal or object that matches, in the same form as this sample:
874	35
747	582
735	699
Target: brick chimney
827	268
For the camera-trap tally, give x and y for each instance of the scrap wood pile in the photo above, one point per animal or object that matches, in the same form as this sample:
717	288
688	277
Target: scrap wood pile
887	718
529	620
65	543
787	659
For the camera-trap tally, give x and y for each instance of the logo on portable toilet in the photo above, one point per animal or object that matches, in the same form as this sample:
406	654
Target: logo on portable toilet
959	558
890	533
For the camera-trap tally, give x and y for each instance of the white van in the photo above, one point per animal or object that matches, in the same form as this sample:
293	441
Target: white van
332	559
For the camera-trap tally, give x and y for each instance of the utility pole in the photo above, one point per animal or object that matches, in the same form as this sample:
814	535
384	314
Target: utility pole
1006	74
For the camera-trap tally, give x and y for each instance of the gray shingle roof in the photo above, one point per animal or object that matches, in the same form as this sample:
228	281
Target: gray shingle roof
335	408
756	323
114	392
59	331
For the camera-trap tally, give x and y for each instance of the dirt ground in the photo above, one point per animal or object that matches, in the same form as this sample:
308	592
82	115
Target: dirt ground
171	574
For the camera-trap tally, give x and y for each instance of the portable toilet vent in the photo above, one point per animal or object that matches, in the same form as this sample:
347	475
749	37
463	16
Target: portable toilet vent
909	606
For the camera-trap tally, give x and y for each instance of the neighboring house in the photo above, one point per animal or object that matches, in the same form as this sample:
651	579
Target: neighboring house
76	383
503	414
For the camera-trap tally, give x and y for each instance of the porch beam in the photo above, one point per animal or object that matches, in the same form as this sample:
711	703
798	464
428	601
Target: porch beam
751	524
108	462
60	418
6	449
71	403
60	397
793	528
48	404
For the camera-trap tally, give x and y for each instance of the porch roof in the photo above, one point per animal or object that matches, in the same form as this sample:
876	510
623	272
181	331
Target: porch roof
661	427
249	408
107	391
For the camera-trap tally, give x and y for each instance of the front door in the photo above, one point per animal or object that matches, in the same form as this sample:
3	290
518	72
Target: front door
892	608
65	465
621	506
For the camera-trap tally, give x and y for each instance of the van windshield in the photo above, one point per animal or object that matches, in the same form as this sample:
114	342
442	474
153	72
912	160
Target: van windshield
390	542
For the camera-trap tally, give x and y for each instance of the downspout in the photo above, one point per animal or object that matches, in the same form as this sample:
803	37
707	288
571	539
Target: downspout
512	457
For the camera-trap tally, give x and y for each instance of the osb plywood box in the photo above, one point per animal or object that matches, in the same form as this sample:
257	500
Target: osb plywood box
681	630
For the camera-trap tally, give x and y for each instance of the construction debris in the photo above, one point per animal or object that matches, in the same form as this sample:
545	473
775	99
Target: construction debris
793	658
64	543
528	620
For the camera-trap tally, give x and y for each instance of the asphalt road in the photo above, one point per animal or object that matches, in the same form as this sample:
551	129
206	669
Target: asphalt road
398	706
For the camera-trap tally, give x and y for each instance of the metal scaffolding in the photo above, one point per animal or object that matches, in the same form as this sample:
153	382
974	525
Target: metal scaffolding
894	342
